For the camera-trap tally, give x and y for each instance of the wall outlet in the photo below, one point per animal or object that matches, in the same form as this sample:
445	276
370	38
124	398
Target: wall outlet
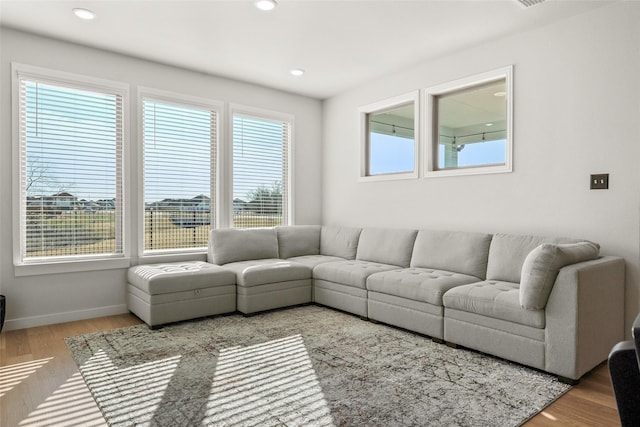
600	181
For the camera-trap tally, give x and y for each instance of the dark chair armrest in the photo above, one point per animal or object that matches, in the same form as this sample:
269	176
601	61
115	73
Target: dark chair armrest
625	378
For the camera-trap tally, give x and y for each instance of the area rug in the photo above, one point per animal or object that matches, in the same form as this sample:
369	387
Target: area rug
304	366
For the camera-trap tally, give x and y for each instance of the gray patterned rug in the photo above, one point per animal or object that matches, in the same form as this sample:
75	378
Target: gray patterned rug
305	366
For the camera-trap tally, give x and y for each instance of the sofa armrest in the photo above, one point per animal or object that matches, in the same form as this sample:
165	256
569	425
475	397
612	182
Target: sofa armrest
584	316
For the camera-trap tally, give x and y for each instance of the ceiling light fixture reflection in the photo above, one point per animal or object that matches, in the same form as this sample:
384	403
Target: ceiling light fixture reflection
297	72
500	94
84	14
265	4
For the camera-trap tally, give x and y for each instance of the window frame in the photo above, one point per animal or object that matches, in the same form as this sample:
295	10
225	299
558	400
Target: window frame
51	265
226	168
381	106
430	136
148	93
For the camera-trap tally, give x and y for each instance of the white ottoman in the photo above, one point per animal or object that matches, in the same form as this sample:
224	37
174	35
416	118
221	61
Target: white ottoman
265	284
171	292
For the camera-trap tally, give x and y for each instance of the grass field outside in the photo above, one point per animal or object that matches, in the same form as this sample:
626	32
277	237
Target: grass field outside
79	232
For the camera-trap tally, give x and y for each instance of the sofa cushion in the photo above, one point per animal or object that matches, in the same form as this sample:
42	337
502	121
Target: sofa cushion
350	273
386	246
174	277
508	252
298	240
417	284
266	271
459	251
496	299
312	260
339	241
232	244
541	267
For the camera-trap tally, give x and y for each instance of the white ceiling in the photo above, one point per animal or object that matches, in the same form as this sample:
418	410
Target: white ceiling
340	44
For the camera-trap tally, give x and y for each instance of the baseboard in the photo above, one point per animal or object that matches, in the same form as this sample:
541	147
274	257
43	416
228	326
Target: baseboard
69	316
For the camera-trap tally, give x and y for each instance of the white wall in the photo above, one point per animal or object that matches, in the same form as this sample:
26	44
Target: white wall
37	300
577	112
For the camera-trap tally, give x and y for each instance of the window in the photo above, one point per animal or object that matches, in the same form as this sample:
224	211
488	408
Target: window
70	166
469	125
179	136
261	187
389	143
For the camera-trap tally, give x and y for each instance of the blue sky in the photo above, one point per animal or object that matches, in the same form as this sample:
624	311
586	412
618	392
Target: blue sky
391	154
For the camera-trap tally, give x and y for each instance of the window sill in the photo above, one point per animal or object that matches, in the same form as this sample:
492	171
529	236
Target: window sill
389	176
67	266
154	258
476	170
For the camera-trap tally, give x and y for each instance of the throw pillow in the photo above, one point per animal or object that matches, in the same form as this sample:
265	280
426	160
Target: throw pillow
541	268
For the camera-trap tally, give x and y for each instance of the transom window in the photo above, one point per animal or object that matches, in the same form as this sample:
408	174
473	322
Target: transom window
469	125
389	142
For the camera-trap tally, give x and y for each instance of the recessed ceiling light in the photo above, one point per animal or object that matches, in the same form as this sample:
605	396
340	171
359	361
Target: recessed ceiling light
84	14
500	94
265	4
488	124
297	72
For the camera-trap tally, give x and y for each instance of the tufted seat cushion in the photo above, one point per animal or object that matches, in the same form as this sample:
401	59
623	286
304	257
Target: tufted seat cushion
419	284
264	271
171	292
491	298
349	273
155	279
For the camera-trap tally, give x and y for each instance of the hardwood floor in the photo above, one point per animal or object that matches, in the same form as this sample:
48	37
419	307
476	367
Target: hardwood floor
40	384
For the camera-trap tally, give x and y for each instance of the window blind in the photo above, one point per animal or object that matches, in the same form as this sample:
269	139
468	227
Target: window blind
260	171
71	141
179	174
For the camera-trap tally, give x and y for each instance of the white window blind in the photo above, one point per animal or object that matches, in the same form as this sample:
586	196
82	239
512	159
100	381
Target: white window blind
71	139
260	171
179	174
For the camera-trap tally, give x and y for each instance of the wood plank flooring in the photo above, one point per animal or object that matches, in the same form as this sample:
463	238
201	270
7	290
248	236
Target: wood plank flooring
40	384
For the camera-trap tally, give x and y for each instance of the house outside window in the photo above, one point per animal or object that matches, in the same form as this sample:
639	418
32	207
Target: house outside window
70	138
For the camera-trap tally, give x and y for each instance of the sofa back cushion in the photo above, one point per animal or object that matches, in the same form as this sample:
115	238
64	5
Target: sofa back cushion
541	268
339	241
232	245
298	240
508	252
386	246
457	251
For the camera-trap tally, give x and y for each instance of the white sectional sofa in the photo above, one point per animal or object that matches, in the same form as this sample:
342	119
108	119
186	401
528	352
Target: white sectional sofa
551	303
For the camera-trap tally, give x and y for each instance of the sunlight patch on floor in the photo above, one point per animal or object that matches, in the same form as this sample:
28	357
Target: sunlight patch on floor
70	405
12	375
267	383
